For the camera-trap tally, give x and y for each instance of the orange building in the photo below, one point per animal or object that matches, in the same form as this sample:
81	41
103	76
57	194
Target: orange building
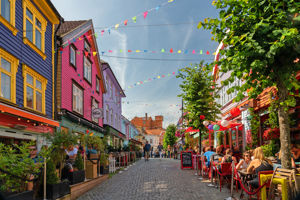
153	129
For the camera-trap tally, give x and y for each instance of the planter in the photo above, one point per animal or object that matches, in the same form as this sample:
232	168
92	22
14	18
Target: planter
57	190
104	170
28	195
91	169
76	177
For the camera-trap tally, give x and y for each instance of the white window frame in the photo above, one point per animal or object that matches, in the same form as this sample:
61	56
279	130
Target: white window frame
79	97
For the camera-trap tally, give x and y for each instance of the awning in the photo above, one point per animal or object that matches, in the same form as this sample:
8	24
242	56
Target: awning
85	122
28	115
191	130
112	131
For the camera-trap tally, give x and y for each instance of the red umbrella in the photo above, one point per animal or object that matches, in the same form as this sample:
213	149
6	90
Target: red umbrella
191	130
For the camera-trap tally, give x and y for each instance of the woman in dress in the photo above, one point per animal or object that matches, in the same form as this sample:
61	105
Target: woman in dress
260	163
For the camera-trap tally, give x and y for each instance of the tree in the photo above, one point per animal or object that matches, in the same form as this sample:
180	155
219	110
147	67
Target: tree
169	137
262	43
197	93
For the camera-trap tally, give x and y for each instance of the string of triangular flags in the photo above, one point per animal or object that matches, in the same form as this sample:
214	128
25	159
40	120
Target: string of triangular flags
154	78
171	51
123	23
162	50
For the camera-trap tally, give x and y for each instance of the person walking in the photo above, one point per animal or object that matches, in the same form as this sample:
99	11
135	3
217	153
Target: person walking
151	152
160	147
147	151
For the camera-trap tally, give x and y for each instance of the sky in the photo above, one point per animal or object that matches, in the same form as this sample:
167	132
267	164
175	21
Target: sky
159	96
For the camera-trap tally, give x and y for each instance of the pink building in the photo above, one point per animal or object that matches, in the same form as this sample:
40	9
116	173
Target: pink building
79	84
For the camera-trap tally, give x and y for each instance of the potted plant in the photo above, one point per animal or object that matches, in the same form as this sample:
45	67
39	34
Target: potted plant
104	163
54	188
18	170
77	175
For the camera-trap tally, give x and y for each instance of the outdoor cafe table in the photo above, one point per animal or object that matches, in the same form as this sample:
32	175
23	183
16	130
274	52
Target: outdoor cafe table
245	176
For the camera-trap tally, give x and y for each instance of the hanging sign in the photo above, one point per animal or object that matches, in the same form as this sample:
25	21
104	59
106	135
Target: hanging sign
97	113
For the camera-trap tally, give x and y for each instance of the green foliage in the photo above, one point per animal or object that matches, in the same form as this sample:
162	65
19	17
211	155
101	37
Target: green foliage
254	124
79	162
16	161
271	148
272	121
169	137
103	159
51	176
220	136
96	142
197	93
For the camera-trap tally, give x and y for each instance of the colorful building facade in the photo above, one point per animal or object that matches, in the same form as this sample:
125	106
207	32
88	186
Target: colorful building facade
27	63
131	132
80	86
113	107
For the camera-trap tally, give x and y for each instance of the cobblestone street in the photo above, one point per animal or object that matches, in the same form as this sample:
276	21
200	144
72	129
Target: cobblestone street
156	179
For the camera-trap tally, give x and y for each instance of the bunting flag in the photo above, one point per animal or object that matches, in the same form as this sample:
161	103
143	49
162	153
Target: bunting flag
171	51
125	22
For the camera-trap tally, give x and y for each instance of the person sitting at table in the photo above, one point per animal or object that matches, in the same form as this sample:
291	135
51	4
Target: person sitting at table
208	155
279	160
296	152
260	163
217	157
228	158
244	163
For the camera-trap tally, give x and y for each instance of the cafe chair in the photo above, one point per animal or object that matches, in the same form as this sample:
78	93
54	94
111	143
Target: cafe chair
205	169
287	179
226	173
268	182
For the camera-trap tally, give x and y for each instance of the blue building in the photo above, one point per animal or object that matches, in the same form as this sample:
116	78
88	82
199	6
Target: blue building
27	69
130	131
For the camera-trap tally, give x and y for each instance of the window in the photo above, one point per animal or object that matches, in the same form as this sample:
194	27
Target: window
95	105
111	90
34	28
73	55
77	99
8	70
87	45
111	117
34	90
107	113
116	121
87	69
97	84
7	14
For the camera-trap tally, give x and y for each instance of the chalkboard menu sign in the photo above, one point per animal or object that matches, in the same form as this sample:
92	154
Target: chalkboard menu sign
186	160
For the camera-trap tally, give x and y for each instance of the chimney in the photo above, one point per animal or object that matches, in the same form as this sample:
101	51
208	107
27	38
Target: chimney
146	116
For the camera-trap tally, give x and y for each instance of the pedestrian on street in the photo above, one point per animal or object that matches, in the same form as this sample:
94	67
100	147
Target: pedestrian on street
175	151
160	147
147	151
151	152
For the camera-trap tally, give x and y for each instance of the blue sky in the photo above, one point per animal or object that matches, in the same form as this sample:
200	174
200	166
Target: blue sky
157	97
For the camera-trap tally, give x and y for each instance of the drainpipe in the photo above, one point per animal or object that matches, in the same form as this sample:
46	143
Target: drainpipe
56	38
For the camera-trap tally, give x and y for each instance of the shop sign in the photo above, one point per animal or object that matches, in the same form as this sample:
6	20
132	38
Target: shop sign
97	113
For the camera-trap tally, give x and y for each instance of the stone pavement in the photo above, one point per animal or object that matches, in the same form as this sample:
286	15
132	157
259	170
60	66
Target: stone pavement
156	179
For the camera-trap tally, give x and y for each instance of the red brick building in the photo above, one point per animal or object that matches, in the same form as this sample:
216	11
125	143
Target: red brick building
153	129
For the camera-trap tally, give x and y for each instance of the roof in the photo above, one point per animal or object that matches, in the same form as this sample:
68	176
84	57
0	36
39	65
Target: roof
68	26
108	67
154	131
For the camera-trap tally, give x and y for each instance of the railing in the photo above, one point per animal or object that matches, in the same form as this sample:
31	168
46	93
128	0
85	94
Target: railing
112	165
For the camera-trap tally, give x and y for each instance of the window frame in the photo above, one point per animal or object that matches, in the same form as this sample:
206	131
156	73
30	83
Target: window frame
36	15
11	25
92	106
85	41
72	46
97	84
36	76
84	68
74	83
14	69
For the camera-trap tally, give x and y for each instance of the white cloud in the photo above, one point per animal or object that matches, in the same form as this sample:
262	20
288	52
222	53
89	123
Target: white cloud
119	66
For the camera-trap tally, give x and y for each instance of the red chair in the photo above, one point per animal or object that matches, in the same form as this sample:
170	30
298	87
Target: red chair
226	171
204	169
